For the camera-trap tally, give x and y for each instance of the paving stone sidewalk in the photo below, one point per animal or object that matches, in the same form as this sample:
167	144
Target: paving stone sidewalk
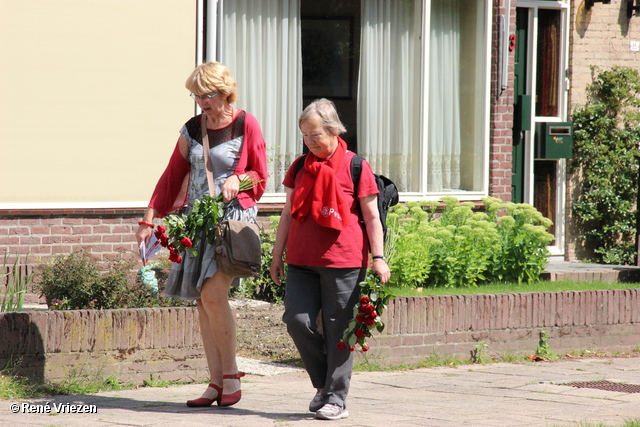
496	394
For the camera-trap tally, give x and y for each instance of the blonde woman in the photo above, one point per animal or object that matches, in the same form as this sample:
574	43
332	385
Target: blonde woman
237	149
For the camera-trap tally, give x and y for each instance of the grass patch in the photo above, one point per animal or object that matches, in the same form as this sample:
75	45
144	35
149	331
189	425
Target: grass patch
370	363
374	364
500	288
15	387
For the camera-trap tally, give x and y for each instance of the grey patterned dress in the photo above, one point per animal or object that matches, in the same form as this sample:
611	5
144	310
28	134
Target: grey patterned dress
186	279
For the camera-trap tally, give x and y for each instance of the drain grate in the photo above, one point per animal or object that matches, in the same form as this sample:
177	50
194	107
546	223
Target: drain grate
607	385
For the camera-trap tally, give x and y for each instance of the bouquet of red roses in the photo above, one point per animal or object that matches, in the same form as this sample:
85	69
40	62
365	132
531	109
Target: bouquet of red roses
184	231
374	298
366	314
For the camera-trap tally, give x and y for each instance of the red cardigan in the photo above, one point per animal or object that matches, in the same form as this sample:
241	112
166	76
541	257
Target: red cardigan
171	190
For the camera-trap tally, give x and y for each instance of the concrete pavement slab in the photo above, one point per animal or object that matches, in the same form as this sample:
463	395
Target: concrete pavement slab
492	395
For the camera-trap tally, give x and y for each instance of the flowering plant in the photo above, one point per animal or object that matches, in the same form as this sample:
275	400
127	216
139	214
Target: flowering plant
374	297
184	231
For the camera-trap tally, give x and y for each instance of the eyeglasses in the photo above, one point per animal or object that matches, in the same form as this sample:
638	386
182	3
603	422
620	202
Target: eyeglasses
194	96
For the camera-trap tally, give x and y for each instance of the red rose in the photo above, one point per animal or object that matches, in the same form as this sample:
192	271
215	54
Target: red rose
366	348
175	258
352	348
367	308
360	333
161	229
341	345
360	317
369	321
186	242
365	300
163	238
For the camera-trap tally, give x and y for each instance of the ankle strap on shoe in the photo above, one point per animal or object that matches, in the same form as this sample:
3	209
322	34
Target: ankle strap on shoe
233	376
215	387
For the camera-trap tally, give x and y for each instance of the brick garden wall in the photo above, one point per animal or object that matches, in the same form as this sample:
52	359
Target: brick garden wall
135	343
453	325
131	344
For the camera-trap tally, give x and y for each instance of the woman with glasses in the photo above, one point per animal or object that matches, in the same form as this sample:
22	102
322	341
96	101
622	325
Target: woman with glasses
327	252
236	150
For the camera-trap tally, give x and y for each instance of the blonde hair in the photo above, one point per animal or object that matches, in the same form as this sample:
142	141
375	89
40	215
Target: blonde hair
326	110
213	77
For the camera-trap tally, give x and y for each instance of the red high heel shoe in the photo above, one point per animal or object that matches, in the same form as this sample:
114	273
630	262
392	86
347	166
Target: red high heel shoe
203	401
233	398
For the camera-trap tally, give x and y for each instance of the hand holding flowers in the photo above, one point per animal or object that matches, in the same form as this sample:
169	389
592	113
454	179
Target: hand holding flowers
374	298
366	314
184	231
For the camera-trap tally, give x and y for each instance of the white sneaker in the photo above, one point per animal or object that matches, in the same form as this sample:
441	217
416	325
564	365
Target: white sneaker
331	411
318	401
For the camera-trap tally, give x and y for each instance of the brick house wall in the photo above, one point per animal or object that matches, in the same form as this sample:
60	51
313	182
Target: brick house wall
600	37
104	232
501	123
37	235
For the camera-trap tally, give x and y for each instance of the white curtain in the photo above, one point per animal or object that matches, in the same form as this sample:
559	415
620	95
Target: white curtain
443	147
260	44
389	89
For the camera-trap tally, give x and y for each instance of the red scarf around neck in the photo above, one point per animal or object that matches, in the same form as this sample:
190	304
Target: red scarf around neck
319	192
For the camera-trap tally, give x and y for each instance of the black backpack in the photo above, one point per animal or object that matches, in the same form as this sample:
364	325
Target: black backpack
388	191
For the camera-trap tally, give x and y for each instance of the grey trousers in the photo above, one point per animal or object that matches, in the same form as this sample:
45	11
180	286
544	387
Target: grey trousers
335	291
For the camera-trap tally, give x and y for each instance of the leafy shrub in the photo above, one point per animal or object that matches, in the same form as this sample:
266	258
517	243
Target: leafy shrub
461	247
521	253
76	281
606	138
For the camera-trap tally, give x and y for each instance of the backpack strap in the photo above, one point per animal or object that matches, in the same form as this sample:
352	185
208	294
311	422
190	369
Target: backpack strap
300	163
356	171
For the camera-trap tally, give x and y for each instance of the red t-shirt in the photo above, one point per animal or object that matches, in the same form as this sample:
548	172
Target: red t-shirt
312	245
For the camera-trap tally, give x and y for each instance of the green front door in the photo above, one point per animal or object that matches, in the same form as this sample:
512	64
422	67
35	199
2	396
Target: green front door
521	106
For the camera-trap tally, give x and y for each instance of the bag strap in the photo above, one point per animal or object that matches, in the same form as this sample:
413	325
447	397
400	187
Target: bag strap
205	146
356	171
300	163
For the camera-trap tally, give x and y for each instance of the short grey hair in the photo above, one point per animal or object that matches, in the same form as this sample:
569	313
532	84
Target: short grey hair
326	110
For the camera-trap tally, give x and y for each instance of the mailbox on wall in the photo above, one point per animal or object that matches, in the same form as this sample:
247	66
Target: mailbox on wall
554	140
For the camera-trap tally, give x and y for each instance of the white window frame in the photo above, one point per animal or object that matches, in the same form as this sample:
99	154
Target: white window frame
558	249
214	6
466	195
